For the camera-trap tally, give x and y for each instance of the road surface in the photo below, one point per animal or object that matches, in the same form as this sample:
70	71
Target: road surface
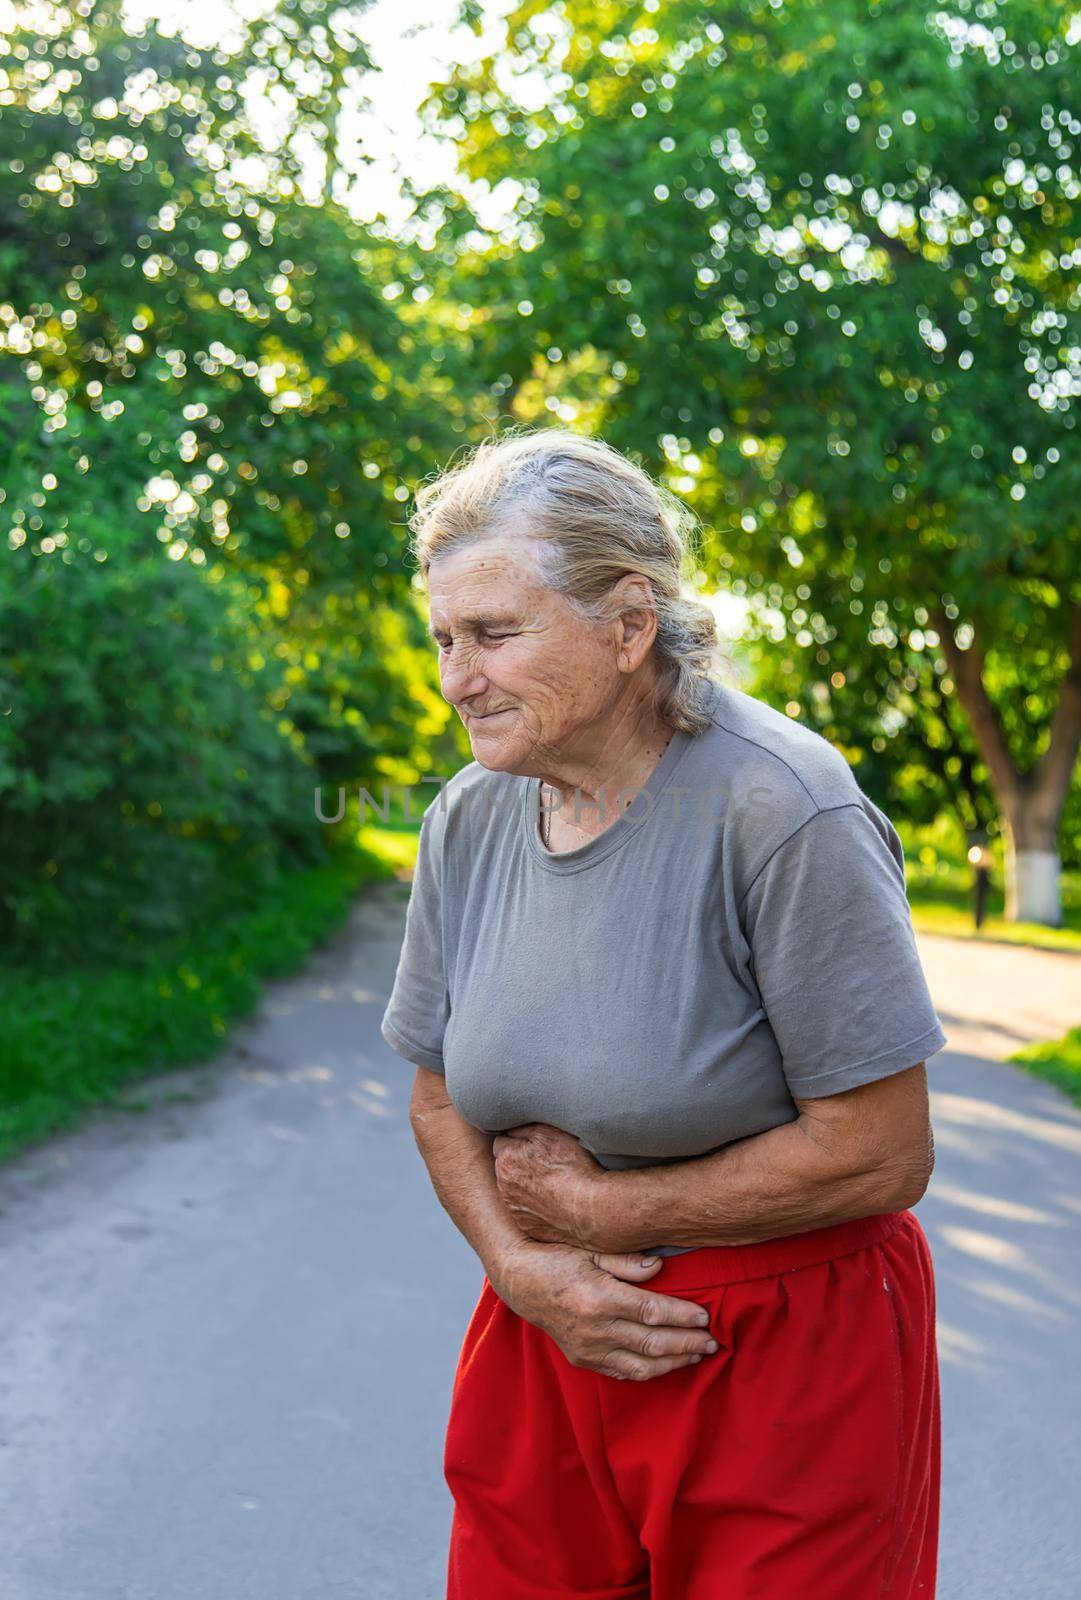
229	1322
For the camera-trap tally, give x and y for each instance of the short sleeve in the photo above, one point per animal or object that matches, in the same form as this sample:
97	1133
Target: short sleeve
416	1015
834	955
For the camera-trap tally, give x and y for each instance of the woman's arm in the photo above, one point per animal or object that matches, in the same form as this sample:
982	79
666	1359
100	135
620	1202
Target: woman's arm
459	1161
589	1302
848	1155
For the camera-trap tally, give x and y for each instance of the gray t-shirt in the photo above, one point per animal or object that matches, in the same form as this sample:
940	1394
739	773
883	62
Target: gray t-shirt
741	934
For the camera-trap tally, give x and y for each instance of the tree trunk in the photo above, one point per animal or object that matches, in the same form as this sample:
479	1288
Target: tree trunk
1031	803
1033	867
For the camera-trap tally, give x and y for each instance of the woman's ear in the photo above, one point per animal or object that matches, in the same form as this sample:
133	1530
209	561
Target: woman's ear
636	622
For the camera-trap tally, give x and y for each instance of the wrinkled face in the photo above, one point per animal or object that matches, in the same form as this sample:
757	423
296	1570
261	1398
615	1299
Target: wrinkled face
525	672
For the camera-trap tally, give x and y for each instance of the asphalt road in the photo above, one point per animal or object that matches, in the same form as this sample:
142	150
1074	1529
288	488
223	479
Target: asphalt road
229	1322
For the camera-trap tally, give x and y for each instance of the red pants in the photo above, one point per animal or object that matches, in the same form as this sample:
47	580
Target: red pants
799	1460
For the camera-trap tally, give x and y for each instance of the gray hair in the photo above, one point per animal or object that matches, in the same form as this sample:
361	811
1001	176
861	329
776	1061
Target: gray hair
597	516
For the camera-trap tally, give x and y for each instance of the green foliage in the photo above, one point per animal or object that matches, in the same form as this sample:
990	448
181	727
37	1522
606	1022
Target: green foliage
815	263
942	901
76	1036
1058	1061
136	751
913	753
211	406
191	342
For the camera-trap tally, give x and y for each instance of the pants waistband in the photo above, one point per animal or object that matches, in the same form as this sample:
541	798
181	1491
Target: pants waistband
714	1264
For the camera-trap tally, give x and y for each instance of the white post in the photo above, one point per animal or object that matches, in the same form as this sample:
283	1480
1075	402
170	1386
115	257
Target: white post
1033	887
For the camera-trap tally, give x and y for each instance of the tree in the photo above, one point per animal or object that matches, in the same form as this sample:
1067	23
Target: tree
815	261
203	366
194	344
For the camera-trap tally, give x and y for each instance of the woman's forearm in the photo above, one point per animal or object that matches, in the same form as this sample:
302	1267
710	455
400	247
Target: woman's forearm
779	1182
458	1157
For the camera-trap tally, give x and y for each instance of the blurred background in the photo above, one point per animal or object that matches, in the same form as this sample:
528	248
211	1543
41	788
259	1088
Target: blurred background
264	268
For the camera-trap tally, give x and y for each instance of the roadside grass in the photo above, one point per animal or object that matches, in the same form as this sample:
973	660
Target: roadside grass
953	915
1058	1061
940	892
79	1036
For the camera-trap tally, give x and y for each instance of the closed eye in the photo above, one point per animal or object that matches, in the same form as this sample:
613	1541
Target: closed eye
444	644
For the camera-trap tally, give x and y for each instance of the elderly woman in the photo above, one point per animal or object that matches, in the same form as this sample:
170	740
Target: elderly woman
661	989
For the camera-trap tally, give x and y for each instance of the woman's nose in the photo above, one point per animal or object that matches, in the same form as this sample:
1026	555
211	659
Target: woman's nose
459	680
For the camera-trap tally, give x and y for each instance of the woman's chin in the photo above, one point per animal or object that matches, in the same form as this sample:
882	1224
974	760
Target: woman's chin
491	748
492	755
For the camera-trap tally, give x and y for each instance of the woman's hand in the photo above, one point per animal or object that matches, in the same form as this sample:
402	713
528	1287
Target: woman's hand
547	1180
586	1301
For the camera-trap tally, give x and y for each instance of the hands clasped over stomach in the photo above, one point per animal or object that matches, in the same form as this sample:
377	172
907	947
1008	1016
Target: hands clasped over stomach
588	1303
588	1300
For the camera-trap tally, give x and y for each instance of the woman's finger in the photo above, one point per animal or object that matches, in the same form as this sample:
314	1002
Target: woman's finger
658	1343
648	1306
626	1364
630	1266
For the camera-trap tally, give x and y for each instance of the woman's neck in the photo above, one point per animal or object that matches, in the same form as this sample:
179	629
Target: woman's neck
605	768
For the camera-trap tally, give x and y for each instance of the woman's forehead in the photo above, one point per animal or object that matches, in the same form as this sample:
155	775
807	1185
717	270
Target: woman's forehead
497	569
